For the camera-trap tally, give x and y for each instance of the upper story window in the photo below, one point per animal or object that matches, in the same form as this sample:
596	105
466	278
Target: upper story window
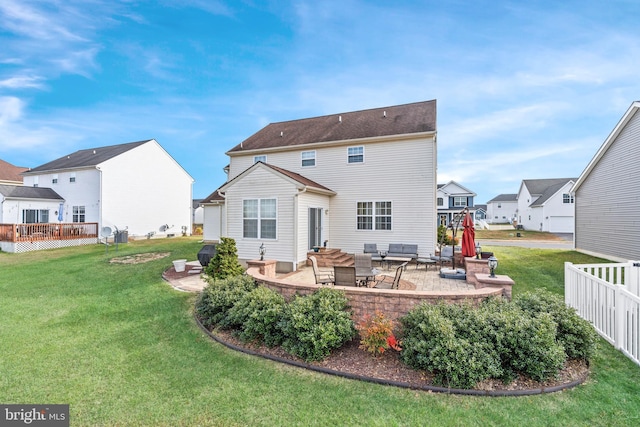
499	205
355	154
262	159
373	215
35	181
72	178
567	198
459	201
308	158
440	201
54	180
259	218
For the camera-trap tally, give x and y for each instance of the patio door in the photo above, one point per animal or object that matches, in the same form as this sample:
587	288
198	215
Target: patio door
315	227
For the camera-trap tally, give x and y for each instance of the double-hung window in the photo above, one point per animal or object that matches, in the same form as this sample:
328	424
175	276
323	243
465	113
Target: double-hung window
355	154
79	214
460	201
259	218
567	198
373	216
308	158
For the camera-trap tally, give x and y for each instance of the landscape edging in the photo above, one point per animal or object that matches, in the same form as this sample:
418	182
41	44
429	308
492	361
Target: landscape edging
435	389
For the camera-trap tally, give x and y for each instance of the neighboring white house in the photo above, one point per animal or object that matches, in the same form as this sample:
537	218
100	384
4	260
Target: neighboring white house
136	186
502	209
546	205
25	205
345	179
607	195
451	199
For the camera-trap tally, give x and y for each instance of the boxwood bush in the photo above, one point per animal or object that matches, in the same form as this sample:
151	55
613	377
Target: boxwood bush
463	345
257	313
217	298
577	336
315	324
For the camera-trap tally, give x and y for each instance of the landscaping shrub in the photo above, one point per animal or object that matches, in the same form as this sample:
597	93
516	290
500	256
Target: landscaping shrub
432	342
313	325
217	298
576	335
257	313
463	345
225	262
376	334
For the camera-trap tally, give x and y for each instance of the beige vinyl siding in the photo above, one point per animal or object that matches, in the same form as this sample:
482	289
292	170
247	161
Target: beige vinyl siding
263	184
608	201
400	171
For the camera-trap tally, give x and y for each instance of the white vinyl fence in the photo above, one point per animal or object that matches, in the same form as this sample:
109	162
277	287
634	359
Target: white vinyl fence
608	295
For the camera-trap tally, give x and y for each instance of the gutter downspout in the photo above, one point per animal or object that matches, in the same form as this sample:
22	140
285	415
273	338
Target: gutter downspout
99	202
226	217
295	227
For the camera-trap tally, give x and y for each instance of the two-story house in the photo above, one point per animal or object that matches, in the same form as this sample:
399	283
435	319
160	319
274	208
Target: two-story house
345	179
136	186
607	194
502	209
546	205
452	198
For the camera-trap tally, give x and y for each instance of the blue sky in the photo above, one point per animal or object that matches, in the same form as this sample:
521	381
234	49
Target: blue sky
525	90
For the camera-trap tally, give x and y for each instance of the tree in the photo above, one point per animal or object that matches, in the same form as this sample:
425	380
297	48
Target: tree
225	262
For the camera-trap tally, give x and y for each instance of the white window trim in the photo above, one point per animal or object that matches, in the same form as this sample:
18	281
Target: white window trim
260	158
349	155
302	159
456	205
373	215
259	219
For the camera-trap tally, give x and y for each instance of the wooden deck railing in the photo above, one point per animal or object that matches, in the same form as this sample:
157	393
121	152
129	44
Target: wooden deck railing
47	231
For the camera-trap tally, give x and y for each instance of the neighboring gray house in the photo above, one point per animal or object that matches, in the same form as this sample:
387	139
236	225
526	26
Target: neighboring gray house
502	209
607	195
546	205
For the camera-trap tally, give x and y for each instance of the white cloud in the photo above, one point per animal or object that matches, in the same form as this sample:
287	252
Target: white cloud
22	82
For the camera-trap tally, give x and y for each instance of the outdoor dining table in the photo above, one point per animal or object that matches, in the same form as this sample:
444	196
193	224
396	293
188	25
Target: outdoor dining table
365	275
390	259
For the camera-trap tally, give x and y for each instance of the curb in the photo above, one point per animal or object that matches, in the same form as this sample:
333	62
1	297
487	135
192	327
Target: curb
434	389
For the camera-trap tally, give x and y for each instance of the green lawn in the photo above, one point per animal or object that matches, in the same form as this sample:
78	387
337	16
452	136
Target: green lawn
120	346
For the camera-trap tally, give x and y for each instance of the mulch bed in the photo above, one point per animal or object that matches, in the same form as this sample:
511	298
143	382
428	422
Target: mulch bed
350	360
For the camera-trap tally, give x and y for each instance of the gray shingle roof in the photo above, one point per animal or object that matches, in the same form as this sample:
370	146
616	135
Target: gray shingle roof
394	120
537	187
86	158
504	198
22	192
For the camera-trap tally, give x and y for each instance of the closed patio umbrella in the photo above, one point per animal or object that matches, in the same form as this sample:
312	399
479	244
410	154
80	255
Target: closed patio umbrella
468	237
60	212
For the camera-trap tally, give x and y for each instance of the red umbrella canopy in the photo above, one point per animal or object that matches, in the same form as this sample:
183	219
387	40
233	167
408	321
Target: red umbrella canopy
468	237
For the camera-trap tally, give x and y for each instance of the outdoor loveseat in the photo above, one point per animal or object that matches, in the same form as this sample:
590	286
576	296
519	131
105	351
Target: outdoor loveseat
395	250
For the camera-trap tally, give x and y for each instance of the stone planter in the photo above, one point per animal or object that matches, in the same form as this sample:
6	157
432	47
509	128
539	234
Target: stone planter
179	265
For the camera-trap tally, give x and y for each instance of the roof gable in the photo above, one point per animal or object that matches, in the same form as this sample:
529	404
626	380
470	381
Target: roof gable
86	158
412	118
549	192
453	188
297	179
538	187
628	115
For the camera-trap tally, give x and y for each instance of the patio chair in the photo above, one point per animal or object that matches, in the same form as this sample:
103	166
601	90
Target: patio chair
322	277
372	249
446	255
344	276
386	284
362	261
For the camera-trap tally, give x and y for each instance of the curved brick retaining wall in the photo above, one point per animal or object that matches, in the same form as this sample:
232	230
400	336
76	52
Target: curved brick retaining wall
394	303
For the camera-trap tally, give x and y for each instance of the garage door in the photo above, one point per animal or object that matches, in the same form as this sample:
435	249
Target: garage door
561	224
